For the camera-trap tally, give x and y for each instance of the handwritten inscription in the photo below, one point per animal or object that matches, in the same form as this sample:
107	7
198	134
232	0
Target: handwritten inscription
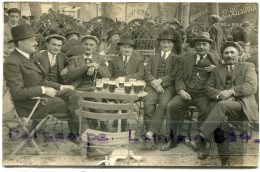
15	134
238	10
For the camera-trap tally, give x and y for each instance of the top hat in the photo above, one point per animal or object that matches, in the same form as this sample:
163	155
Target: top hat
165	35
112	32
246	23
92	36
216	18
57	36
231	44
72	32
13	10
22	31
204	37
127	40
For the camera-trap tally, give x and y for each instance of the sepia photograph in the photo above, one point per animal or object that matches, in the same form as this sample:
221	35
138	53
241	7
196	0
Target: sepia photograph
130	84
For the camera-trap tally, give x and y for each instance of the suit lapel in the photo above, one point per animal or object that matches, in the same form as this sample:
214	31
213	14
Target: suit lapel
156	63
46	61
130	64
29	63
121	63
190	64
59	61
169	63
223	74
235	72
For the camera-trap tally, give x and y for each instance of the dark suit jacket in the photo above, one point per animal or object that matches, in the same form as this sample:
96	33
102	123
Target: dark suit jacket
61	59
24	78
184	75
134	69
172	67
217	35
77	69
244	80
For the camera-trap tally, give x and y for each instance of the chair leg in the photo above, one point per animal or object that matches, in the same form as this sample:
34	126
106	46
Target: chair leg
190	123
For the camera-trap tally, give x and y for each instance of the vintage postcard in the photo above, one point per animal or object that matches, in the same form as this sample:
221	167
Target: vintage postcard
130	84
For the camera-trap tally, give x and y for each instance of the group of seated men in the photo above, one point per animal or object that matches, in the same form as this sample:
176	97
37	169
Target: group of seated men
220	87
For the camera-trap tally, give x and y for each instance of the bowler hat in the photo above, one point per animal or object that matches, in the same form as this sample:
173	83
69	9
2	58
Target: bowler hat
216	18
92	36
204	37
126	39
231	44
22	31
112	32
72	32
57	36
165	35
13	10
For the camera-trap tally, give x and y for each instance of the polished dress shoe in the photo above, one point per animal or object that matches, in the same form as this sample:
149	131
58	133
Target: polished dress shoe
199	145
170	144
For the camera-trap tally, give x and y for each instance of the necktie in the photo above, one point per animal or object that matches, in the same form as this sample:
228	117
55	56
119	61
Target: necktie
230	69
164	55
53	60
125	62
200	60
88	60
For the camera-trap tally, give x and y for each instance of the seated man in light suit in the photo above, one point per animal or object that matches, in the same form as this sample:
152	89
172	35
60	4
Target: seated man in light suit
231	87
26	78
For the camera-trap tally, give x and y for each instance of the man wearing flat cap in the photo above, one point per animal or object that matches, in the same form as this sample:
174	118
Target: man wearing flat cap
231	87
85	68
190	85
160	76
113	37
216	33
54	61
127	64
26	78
14	18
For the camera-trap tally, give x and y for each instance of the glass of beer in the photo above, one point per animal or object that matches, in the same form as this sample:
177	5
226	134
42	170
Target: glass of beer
137	87
141	85
128	87
112	86
121	81
99	85
105	83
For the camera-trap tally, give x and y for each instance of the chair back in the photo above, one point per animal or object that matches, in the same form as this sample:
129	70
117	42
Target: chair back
104	106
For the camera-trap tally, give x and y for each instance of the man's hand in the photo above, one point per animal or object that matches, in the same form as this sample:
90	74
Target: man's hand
184	95
67	87
160	89
51	92
94	64
210	68
156	83
225	94
91	71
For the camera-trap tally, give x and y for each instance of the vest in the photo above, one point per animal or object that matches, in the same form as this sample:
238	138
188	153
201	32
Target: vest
53	74
161	68
199	78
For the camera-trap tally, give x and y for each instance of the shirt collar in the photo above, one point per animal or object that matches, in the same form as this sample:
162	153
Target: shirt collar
51	55
167	54
87	57
23	53
125	57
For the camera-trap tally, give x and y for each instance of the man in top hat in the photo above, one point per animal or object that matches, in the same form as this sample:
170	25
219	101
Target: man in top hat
216	33
231	87
72	46
14	18
160	76
113	37
26	78
190	85
85	68
126	64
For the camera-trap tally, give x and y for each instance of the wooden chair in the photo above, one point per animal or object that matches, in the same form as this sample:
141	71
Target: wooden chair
103	107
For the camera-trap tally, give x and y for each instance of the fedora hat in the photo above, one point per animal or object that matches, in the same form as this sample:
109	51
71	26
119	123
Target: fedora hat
22	31
126	40
231	44
57	36
93	37
216	18
165	35
112	32
204	37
